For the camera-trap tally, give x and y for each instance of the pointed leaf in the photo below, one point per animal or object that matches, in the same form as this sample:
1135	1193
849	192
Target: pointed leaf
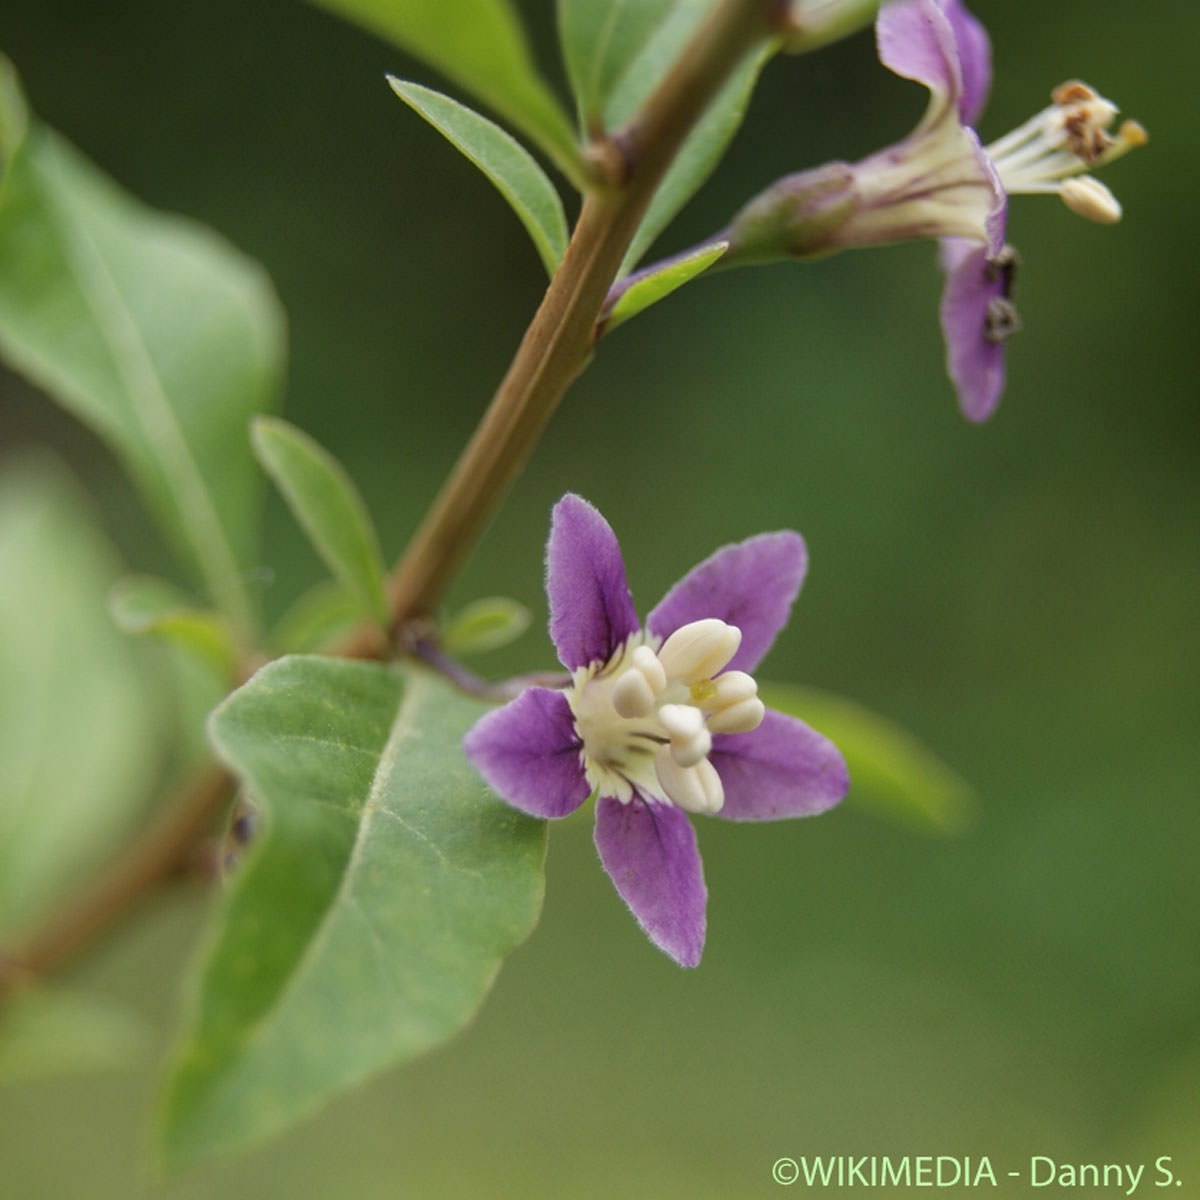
699	154
321	615
891	772
659	282
328	507
77	741
155	333
479	45
486	624
373	911
600	40
144	605
46	1033
503	160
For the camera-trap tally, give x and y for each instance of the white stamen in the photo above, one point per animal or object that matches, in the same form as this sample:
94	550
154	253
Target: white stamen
1089	198
699	650
646	661
632	695
694	788
690	739
741	717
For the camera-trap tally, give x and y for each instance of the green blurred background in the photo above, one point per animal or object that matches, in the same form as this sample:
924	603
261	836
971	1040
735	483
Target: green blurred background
1023	596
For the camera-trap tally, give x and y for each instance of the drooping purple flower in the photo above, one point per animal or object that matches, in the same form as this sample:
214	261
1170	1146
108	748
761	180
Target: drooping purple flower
661	719
941	182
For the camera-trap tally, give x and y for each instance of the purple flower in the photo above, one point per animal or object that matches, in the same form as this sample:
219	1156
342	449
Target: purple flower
659	720
941	182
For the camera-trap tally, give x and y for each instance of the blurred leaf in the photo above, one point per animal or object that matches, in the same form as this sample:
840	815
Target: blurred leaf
479	45
328	507
486	624
660	282
14	117
600	39
891	772
373	911
145	605
155	333
47	1033
320	616
77	741
699	154
503	160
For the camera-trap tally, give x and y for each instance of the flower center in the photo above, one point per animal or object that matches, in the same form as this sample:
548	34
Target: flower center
646	716
1053	149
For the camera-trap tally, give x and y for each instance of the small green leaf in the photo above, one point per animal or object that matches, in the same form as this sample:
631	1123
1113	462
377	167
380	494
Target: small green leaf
698	155
486	624
78	742
370	918
479	45
503	160
14	117
328	507
155	333
661	281
144	605
320	616
600	39
47	1033
891	772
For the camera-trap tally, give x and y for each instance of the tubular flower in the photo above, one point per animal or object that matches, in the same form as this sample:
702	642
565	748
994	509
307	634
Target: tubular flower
659	720
942	182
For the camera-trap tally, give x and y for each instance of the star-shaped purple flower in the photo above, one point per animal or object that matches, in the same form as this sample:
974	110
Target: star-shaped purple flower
941	182
659	720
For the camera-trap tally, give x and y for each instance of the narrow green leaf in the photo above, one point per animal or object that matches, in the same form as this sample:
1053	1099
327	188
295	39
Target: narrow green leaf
155	333
600	39
14	117
698	155
369	921
661	281
486	624
47	1033
318	617
144	605
77	741
503	160
328	507
891	772
479	45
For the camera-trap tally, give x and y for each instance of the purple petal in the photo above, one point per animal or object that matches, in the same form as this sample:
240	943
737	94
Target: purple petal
751	584
915	40
974	58
528	751
974	361
781	769
591	610
649	851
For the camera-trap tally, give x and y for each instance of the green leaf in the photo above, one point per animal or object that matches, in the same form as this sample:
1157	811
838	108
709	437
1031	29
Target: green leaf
328	507
486	624
600	39
77	741
659	282
891	772
14	117
48	1033
479	45
503	160
155	333
371	917
144	605
699	154
320	616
